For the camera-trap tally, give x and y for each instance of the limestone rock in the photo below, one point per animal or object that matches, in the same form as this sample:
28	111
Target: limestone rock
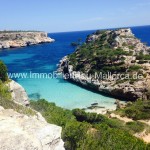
18	93
21	39
20	132
5	44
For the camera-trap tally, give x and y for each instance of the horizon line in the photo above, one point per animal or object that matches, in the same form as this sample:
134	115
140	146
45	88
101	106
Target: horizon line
98	29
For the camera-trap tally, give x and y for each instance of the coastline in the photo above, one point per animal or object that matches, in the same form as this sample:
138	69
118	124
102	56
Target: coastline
121	90
23	39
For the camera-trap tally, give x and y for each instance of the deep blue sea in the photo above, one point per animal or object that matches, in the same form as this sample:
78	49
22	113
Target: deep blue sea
43	59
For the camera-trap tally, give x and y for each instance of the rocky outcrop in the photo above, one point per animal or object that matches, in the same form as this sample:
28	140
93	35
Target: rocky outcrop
123	89
122	38
26	132
18	93
21	132
21	39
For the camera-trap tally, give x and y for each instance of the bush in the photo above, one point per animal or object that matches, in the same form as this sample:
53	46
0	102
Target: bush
135	126
3	71
75	134
81	115
134	68
138	110
141	56
52	113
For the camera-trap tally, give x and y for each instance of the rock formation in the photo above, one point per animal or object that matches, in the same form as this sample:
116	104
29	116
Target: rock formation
18	93
21	39
118	51
21	132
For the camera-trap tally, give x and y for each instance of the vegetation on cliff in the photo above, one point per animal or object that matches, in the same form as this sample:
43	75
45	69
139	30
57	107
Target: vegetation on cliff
5	94
3	71
114	62
107	51
137	110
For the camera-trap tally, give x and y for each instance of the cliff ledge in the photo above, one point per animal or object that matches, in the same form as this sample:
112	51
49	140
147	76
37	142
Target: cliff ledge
21	39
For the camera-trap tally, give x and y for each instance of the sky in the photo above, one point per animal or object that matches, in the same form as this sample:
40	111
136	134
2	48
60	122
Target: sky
72	15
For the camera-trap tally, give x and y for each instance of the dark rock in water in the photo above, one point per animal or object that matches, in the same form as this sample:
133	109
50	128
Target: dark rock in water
74	44
94	104
91	107
35	96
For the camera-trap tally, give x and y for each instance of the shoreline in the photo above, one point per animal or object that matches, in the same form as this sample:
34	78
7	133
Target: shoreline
85	82
123	89
23	39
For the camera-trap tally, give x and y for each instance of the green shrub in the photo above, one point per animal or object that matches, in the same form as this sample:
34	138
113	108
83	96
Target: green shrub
131	47
138	110
135	126
134	68
52	113
3	71
141	56
75	134
81	115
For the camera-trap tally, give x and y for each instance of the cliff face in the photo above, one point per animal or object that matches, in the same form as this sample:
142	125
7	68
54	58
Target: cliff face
19	131
18	93
111	54
21	39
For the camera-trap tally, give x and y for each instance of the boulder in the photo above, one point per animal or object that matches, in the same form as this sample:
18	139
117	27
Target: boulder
18	93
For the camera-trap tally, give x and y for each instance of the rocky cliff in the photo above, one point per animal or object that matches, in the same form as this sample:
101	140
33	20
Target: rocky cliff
21	131
114	62
18	93
21	39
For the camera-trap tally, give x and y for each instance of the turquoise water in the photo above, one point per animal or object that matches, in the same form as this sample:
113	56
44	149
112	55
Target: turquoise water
43	59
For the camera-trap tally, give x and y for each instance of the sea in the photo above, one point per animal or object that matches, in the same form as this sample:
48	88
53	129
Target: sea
43	58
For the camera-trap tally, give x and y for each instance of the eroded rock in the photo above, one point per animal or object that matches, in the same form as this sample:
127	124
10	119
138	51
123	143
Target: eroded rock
21	39
21	132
